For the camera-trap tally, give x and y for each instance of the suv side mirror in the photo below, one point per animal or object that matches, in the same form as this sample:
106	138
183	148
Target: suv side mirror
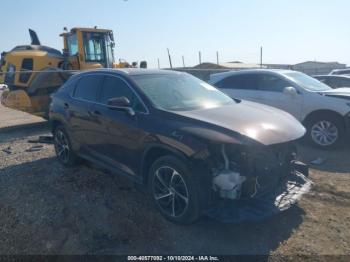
291	91
120	103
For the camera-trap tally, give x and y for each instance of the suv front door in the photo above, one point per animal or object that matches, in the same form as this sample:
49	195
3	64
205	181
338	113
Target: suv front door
271	89
118	131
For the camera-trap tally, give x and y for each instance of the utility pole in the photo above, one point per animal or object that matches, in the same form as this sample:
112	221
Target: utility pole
261	57
217	57
183	61
171	65
200	57
158	64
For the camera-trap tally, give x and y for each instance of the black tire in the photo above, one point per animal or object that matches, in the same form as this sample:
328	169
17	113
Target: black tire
336	127
183	215
64	153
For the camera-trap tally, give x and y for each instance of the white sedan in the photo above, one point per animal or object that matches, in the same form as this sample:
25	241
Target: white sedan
324	111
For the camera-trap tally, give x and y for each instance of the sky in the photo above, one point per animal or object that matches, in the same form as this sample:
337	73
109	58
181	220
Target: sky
290	31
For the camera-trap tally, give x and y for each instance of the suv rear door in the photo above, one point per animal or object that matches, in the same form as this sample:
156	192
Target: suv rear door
80	108
243	86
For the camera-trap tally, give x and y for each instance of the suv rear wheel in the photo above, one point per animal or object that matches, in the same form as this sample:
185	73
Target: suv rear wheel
63	147
174	191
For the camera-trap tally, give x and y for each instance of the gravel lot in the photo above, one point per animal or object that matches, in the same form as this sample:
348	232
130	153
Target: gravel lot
48	209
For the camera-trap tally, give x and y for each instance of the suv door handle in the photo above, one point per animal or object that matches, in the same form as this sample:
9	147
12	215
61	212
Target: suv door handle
66	105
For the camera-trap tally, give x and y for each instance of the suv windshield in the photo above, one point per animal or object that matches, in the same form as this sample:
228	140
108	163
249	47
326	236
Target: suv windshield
180	92
307	82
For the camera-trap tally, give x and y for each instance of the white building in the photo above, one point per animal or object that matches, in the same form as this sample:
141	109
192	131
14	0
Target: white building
317	68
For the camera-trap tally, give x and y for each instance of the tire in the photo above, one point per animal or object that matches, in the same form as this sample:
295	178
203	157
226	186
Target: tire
325	131
174	190
63	147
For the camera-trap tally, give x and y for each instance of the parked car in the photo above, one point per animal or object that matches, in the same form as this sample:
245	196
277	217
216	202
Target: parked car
323	110
340	72
334	81
189	143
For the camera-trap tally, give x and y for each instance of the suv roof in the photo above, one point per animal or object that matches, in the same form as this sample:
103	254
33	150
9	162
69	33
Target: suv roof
333	76
340	71
219	76
131	71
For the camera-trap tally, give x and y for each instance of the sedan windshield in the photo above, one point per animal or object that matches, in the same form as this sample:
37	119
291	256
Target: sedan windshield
180	92
307	82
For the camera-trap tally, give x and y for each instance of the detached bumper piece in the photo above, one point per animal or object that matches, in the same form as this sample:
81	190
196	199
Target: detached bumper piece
257	209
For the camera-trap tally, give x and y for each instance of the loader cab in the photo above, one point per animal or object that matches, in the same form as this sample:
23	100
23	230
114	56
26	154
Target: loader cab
86	48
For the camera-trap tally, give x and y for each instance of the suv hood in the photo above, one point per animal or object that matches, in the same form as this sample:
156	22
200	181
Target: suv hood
338	92
261	123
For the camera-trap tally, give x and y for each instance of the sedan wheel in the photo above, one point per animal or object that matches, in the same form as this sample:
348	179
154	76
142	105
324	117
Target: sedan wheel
324	133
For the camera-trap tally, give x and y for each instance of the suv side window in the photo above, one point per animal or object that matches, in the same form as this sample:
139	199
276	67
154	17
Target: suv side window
343	83
116	87
328	81
323	80
246	82
272	83
334	82
87	87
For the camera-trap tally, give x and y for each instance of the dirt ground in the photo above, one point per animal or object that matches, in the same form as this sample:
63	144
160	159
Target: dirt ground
48	209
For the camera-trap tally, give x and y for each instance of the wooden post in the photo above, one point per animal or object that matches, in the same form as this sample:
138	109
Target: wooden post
200	57
217	57
183	61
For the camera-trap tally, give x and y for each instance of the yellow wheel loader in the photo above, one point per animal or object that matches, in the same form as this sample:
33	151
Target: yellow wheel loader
33	72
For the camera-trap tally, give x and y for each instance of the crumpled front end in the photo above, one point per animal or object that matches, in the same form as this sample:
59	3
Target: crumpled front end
255	182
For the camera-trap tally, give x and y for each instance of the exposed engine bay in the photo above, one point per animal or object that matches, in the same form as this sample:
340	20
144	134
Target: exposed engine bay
268	175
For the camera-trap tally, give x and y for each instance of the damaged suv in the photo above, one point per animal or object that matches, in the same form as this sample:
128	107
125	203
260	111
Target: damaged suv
197	150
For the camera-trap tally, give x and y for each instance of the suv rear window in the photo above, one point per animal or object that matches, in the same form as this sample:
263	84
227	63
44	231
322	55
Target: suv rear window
87	87
247	82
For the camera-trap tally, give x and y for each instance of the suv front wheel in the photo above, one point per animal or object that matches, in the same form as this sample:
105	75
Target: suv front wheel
174	191
325	131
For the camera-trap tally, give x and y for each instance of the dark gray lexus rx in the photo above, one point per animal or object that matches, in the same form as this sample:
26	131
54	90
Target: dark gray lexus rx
197	150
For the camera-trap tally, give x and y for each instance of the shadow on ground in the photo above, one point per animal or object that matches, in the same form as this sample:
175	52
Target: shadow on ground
8	134
335	160
48	209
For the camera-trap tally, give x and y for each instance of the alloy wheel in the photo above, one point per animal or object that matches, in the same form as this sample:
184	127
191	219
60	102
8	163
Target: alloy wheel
324	133
170	191
62	146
